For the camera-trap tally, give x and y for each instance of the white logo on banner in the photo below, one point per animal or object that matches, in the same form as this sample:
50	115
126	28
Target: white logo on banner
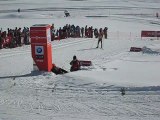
39	50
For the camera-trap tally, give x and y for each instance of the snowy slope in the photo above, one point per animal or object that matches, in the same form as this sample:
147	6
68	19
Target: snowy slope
87	94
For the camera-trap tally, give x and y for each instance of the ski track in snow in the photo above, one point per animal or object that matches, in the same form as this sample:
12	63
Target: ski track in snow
24	52
47	96
40	100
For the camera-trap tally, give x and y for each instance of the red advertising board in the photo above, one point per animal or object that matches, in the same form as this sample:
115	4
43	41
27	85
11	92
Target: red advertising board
41	46
85	63
150	33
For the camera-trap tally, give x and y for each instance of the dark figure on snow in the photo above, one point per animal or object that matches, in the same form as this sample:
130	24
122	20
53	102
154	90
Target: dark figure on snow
67	14
19	10
82	31
105	32
58	70
157	15
96	33
122	91
75	65
100	36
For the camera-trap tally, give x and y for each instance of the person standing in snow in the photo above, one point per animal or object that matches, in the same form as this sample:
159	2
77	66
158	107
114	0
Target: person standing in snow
82	32
105	32
96	33
75	65
100	36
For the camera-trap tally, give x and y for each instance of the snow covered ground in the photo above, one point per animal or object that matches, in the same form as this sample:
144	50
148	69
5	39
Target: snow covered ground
87	94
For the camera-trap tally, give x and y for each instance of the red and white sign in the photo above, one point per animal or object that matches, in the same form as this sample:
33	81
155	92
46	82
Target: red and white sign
41	46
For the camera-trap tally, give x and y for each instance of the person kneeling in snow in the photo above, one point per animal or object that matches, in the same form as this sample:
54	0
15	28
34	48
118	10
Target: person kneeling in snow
75	64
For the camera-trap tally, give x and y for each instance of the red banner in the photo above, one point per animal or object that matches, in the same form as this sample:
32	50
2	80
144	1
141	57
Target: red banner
135	49
150	33
85	63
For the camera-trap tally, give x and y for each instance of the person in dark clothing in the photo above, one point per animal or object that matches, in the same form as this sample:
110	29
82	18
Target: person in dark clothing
19	37
58	70
19	10
75	65
82	31
105	32
86	31
96	33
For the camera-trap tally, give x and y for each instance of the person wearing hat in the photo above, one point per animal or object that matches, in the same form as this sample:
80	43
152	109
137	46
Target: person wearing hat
75	65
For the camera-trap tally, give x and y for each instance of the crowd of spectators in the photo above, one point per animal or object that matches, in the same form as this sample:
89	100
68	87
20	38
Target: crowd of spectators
68	31
18	36
14	37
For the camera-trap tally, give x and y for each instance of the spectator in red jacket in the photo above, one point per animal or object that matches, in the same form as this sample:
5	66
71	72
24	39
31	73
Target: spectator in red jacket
75	65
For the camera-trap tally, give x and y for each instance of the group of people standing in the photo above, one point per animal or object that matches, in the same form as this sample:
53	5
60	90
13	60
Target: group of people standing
18	36
14	37
68	31
73	31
